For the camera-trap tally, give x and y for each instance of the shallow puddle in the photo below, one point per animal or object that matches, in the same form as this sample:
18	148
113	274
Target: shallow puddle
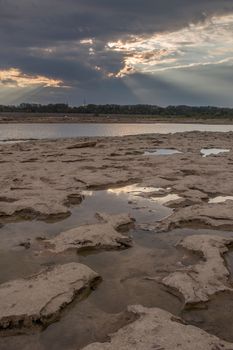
113	201
150	194
125	282
220	199
135	189
127	274
11	142
213	151
145	204
166	199
216	318
161	152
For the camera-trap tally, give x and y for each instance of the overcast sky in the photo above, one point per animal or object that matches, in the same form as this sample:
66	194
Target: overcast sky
107	51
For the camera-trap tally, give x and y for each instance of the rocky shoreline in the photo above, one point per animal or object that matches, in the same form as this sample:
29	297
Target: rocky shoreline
43	181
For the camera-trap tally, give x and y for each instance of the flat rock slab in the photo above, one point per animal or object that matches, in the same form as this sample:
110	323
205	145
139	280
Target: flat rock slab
208	277
103	235
159	330
205	215
38	300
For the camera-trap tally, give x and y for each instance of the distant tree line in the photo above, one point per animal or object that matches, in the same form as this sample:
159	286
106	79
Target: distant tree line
109	109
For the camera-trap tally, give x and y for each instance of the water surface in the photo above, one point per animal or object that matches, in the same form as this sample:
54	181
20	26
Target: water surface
220	199
162	152
213	151
126	273
40	131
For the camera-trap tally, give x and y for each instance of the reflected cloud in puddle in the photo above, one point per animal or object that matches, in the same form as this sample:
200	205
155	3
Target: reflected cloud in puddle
220	199
161	152
10	142
166	199
144	203
138	191
213	151
88	193
135	190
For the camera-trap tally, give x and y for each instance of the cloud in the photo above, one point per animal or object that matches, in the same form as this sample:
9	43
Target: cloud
92	45
14	77
197	44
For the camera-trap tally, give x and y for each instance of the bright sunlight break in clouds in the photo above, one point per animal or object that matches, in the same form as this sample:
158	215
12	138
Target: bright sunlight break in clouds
14	77
205	43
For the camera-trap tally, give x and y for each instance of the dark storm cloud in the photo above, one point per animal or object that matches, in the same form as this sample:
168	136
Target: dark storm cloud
39	22
27	27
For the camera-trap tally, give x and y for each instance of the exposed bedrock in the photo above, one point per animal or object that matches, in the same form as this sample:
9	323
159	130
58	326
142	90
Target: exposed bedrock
218	216
209	276
102	235
39	299
41	179
55	207
158	329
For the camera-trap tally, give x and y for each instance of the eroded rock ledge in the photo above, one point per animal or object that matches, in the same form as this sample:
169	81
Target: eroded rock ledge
217	216
96	236
158	329
208	277
38	300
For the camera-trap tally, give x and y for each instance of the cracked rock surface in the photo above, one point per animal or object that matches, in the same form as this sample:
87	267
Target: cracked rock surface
42	179
158	329
39	299
95	236
218	216
208	277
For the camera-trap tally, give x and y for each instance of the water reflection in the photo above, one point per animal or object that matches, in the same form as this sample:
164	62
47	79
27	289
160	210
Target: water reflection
11	142
220	199
153	194
43	131
166	199
162	152
213	151
134	189
145	204
124	272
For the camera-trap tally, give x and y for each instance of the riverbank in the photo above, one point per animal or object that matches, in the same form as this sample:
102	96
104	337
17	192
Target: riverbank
42	118
149	216
95	160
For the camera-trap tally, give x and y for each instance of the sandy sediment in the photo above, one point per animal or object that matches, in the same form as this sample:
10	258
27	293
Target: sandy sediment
158	329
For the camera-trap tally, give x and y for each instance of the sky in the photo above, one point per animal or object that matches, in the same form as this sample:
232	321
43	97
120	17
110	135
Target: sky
162	52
